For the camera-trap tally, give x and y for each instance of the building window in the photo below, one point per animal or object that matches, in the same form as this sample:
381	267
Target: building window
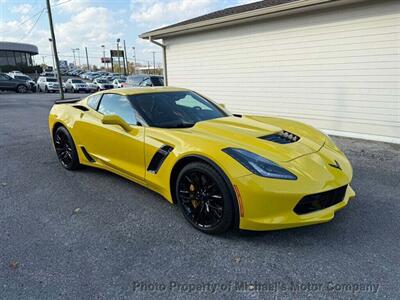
10	58
3	58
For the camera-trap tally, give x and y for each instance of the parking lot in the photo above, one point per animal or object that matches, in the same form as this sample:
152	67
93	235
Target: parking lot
89	233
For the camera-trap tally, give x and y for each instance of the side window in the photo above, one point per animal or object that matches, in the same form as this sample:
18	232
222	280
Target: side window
93	101
112	104
146	82
2	77
137	80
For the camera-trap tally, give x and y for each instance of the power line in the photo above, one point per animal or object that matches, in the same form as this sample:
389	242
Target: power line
33	26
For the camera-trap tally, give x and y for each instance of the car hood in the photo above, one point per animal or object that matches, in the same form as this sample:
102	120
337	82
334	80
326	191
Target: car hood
246	132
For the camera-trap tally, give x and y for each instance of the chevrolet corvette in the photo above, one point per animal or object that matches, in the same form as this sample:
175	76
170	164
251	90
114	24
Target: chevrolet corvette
223	170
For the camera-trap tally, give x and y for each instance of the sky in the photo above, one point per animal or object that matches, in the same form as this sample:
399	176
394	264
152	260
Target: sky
92	23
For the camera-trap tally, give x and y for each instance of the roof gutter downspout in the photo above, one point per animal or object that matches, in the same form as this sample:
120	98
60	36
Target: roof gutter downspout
164	49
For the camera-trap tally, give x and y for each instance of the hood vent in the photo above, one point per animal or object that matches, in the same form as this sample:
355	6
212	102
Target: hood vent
283	137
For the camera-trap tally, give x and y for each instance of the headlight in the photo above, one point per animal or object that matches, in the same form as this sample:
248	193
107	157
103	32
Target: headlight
259	165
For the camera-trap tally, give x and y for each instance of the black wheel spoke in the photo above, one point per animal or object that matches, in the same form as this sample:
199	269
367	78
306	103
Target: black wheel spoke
201	199
63	148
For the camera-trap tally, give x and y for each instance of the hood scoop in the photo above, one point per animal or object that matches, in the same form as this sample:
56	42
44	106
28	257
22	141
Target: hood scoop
283	137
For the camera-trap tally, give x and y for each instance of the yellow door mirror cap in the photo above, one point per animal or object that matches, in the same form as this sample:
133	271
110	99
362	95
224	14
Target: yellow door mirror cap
116	120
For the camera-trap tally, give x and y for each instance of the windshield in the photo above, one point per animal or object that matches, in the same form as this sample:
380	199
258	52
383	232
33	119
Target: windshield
51	80
157	81
175	109
102	81
76	81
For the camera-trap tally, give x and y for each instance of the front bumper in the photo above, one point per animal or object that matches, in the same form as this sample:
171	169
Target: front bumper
269	204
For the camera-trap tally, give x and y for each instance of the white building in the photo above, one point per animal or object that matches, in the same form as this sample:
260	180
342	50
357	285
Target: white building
332	64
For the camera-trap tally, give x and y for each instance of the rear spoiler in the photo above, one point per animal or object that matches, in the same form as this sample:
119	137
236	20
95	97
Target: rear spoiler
68	101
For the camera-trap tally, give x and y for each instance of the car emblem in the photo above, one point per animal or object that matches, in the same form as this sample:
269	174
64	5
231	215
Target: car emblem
336	165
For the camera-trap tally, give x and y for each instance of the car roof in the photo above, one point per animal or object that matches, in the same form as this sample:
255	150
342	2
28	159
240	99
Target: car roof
145	90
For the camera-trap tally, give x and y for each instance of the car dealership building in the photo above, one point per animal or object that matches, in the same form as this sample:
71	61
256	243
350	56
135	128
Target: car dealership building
332	64
15	54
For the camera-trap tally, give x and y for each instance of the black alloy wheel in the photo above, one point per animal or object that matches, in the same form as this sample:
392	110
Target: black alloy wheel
65	149
204	198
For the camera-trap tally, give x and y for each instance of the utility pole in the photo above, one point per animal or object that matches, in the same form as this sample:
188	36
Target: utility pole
126	61
87	59
154	62
53	37
148	67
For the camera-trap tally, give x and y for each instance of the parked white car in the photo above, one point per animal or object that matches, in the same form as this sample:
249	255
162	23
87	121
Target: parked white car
92	87
76	85
48	84
103	84
119	82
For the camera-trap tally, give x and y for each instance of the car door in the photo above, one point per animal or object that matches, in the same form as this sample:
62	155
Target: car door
115	147
6	82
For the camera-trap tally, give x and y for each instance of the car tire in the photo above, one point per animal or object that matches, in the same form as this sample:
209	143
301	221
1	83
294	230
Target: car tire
204	198
46	90
65	149
22	89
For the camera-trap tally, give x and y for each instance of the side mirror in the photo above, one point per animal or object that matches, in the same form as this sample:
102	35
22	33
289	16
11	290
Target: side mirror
222	105
116	120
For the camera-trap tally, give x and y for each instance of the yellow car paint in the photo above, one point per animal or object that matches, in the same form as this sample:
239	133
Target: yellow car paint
266	203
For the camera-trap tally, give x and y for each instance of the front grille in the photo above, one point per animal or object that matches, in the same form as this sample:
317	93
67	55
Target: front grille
311	203
283	137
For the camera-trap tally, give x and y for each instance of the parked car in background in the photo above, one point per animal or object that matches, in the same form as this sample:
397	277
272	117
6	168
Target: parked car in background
92	87
7	83
14	73
24	77
48	74
119	83
76	85
145	80
103	84
93	76
48	84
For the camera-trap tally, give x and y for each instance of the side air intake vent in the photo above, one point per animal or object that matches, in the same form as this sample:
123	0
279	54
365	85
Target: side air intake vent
283	137
81	107
158	158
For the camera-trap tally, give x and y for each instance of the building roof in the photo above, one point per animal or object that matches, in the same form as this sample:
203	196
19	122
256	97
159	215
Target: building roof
231	11
234	15
21	47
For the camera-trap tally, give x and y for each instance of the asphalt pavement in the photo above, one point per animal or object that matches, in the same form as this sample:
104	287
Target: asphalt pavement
92	234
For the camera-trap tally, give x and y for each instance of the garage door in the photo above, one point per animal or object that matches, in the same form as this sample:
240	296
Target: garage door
336	69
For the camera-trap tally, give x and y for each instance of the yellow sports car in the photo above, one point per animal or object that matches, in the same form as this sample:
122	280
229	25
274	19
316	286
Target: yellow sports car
223	170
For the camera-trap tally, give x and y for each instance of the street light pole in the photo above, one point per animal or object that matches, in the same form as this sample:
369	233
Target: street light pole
79	56
154	62
52	52
104	55
87	59
53	37
126	69
134	57
73	52
119	60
